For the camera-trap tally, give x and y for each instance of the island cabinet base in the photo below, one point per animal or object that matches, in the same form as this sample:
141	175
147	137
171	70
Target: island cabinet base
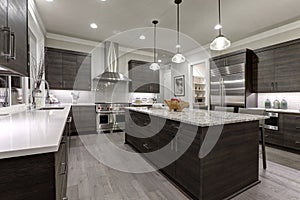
227	170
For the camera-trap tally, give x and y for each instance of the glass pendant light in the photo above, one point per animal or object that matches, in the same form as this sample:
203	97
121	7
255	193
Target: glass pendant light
154	66
220	42
178	57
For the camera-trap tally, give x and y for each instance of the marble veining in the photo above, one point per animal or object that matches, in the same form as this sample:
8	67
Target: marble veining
32	132
202	118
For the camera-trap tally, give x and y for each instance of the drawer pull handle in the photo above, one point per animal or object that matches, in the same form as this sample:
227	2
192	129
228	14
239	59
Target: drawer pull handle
69	120
146	146
64	168
174	126
297	127
297	142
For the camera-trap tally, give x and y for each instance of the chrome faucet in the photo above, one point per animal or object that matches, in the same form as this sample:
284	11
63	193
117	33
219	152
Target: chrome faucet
36	90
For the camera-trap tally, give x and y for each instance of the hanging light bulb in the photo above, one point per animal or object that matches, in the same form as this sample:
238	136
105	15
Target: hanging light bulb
178	57
220	42
154	66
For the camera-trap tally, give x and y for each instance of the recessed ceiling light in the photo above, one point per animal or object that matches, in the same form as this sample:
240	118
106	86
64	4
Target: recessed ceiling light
142	37
159	61
103	0
49	0
94	25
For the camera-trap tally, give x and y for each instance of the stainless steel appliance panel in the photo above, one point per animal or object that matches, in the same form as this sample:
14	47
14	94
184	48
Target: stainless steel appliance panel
228	85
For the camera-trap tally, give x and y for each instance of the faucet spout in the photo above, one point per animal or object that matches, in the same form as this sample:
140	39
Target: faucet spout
37	90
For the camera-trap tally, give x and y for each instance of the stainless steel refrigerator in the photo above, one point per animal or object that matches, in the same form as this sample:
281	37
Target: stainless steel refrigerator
231	80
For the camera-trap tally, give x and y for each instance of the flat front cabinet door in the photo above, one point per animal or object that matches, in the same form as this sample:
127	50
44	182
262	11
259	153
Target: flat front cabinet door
266	71
17	21
287	70
54	69
83	77
69	70
2	24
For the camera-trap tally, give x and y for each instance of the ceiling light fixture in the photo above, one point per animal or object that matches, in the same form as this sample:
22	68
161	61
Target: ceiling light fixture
178	57
220	42
49	0
94	25
154	66
142	37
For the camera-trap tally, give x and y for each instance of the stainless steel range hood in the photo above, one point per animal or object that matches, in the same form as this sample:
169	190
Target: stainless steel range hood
111	64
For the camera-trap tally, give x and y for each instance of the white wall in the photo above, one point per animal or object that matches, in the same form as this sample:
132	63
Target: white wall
293	99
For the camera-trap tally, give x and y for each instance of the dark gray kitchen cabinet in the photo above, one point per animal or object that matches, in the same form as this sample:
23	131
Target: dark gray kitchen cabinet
53	71
287	72
263	80
143	78
68	70
83	68
188	177
175	142
16	17
278	68
230	59
3	6
84	118
288	135
291	130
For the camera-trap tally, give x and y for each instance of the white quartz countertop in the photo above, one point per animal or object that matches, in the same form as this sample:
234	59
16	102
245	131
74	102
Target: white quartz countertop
32	132
202	118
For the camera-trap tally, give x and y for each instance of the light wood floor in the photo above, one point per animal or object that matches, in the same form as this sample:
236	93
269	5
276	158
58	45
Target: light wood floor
88	179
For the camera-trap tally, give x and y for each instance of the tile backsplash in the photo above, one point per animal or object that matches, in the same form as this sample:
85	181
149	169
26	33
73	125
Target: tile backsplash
293	99
64	96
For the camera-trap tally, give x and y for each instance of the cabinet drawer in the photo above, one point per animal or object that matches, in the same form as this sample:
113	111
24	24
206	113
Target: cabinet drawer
274	137
292	140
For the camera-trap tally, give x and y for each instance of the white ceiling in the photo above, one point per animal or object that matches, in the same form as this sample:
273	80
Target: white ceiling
241	18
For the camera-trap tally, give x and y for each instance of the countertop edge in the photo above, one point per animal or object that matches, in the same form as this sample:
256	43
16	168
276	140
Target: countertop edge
147	111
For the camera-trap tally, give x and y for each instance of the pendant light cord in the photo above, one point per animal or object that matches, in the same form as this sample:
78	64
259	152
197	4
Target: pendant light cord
154	50
178	28
219	5
7	13
155	22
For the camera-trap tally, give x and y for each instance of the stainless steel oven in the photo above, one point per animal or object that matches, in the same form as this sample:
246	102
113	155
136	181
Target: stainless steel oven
273	122
110	116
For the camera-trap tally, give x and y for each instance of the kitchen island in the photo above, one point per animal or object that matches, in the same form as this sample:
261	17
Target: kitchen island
208	154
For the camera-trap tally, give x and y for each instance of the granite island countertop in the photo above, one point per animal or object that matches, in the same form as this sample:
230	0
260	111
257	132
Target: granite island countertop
202	118
32	132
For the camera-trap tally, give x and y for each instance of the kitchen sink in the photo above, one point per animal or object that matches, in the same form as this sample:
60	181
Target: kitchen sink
52	108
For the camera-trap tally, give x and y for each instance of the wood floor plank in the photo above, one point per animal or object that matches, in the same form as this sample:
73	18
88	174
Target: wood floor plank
89	179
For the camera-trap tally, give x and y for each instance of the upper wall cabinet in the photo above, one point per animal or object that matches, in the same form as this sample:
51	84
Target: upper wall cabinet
278	68
68	70
13	35
144	79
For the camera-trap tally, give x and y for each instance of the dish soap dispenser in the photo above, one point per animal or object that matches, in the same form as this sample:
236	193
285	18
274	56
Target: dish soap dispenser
284	104
276	104
268	103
